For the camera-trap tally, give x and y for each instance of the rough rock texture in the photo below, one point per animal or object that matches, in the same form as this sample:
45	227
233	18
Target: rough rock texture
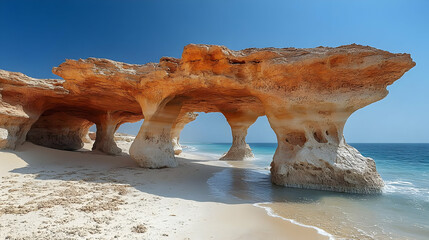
58	113
239	120
3	137
22	101
152	146
179	124
306	94
107	124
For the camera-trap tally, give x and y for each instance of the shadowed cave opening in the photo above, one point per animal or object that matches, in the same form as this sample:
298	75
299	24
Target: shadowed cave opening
63	129
77	129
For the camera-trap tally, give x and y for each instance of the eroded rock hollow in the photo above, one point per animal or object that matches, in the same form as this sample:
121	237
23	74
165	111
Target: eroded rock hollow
306	94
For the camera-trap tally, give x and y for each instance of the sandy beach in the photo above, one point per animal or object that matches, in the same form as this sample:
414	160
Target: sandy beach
202	120
53	194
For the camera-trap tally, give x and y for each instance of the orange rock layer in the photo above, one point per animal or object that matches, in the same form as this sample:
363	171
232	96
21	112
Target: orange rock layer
306	94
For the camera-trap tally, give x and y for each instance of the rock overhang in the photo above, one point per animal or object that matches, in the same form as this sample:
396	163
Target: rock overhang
306	94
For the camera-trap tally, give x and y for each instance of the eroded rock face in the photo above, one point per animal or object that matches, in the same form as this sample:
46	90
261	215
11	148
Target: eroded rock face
239	120
3	137
337	168
57	113
107	123
22	101
306	94
152	146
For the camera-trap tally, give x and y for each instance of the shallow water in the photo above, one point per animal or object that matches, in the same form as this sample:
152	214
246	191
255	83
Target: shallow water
400	212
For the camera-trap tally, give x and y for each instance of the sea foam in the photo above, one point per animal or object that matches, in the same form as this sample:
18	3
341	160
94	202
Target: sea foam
271	213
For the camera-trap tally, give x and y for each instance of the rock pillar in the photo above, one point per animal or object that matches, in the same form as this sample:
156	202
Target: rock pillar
14	134
14	129
107	125
152	146
239	123
312	152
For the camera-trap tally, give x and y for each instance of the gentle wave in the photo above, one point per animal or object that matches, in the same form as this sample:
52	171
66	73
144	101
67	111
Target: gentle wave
271	213
221	193
189	148
406	188
406	191
193	149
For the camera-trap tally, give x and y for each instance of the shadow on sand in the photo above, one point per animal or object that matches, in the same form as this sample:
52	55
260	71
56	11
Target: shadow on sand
198	178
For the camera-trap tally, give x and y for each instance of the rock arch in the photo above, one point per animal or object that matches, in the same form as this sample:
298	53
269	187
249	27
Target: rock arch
306	94
66	128
107	124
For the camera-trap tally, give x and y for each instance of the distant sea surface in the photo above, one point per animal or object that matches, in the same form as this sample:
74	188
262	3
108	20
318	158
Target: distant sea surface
400	212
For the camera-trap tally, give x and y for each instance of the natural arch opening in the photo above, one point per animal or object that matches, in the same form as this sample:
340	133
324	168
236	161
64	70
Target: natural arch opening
123	136
210	132
67	128
263	142
240	109
207	129
126	134
168	117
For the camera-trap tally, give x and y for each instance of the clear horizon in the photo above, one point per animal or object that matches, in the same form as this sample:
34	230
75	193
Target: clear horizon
40	35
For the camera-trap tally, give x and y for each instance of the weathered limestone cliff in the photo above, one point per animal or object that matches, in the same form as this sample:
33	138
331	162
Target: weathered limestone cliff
22	101
306	94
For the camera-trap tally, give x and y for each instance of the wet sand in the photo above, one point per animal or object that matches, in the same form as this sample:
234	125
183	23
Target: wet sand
52	194
345	216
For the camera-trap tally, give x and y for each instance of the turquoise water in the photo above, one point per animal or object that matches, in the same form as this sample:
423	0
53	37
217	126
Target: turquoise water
400	212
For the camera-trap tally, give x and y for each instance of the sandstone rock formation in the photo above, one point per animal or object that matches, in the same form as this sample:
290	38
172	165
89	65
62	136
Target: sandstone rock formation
239	121
22	100
306	94
58	113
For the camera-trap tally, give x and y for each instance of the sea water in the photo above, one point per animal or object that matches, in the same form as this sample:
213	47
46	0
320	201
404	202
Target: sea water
400	212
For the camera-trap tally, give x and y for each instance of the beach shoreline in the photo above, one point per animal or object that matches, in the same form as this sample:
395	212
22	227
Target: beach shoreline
48	193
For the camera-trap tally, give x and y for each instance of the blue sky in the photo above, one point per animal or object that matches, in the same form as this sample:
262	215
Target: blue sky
38	35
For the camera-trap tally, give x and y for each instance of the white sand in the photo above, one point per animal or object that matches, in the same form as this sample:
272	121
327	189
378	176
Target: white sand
53	194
